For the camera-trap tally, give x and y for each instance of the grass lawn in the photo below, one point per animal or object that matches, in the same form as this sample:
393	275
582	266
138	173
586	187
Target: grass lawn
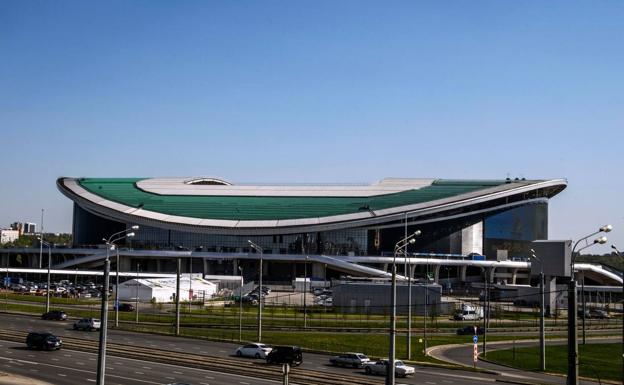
603	360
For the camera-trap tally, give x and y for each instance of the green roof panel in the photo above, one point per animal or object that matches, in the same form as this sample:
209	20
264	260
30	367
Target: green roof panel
125	191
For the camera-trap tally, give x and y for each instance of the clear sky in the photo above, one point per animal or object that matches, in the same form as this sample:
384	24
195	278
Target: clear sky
314	91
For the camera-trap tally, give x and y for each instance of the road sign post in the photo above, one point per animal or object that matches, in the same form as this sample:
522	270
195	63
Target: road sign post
475	348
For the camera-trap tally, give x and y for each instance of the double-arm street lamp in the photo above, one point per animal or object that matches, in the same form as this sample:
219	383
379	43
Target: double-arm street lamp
49	246
572	378
542	337
110	243
616	251
260	292
399	247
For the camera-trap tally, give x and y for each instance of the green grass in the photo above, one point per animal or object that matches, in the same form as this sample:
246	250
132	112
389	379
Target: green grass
604	360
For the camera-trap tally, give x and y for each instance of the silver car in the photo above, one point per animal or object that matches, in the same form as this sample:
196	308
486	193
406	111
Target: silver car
356	360
255	350
89	324
381	367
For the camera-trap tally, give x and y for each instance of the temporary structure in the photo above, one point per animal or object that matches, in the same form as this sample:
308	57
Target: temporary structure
163	289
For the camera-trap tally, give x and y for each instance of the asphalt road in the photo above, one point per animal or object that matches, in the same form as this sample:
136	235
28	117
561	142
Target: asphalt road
73	367
462	355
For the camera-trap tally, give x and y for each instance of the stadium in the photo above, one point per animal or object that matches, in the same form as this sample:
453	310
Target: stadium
336	229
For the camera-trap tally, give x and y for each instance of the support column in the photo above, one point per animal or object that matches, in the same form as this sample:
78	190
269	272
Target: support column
436	274
462	273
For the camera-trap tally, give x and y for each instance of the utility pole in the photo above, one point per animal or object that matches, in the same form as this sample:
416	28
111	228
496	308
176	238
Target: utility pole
240	306
485	312
177	298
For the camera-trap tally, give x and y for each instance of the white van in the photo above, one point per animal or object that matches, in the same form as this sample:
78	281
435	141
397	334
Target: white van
469	312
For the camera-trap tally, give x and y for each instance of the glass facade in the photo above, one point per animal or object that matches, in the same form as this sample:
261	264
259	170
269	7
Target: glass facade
337	242
513	230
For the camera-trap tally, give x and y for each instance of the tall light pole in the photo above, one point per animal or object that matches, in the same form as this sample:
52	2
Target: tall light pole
136	299
110	242
117	288
304	241
49	246
572	378
240	306
41	243
620	255
400	245
426	313
542	336
260	292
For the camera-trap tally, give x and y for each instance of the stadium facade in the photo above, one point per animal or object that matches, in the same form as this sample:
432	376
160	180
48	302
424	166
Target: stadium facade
495	218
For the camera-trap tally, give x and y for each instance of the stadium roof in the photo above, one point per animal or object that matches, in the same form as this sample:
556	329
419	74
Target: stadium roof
210	203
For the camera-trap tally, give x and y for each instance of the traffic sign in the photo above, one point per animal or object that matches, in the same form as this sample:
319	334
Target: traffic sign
475	339
475	353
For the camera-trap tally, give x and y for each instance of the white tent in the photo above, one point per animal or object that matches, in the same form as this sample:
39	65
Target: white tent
163	289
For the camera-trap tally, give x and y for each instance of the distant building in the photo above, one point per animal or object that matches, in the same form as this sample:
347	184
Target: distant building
8	235
29	228
17	226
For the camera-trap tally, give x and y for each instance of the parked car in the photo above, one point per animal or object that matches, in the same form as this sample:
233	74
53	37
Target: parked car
126	307
381	367
89	324
44	341
253	350
285	354
356	360
55	315
469	331
599	313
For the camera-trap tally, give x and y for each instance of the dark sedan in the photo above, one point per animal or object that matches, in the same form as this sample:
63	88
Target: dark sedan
43	341
54	315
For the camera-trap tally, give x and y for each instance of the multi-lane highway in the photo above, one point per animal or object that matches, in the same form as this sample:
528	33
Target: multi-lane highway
69	366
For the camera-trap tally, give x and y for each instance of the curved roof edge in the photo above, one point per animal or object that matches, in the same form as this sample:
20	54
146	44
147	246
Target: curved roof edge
128	214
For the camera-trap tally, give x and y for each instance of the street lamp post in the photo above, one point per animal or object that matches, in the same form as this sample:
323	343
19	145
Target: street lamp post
260	292
136	299
49	246
240	306
572	378
542	336
41	243
426	312
622	257
117	288
110	242
392	350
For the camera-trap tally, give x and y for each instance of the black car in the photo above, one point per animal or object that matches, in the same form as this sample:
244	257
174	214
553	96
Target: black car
44	341
469	331
54	315
285	355
126	307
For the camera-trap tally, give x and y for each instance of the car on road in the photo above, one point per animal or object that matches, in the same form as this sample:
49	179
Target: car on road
88	324
44	341
599	313
254	350
381	367
469	331
285	354
126	307
356	360
54	315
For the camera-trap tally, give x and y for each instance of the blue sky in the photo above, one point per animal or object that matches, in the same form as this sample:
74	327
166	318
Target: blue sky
314	91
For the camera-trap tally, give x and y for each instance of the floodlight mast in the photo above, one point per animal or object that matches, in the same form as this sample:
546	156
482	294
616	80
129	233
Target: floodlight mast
260	292
572	378
542	334
110	243
400	245
617	252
